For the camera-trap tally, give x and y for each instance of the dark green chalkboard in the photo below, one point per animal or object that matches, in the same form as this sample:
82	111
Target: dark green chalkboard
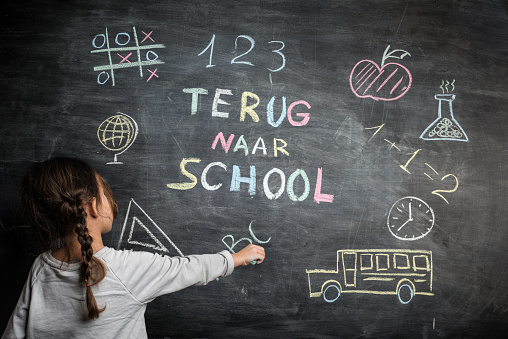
366	109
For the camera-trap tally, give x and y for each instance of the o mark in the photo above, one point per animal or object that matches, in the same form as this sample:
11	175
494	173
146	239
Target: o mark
124	34
151	53
99	78
103	40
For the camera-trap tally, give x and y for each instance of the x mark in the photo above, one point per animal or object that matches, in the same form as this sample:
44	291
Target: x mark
153	73
124	59
147	36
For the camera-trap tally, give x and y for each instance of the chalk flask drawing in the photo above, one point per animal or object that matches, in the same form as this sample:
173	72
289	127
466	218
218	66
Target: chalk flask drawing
445	127
117	133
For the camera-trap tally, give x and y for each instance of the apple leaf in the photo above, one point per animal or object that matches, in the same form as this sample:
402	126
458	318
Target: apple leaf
387	55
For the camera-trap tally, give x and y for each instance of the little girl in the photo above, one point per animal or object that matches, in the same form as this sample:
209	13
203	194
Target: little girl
80	288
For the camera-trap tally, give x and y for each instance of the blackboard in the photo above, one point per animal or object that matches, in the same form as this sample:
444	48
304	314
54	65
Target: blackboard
366	109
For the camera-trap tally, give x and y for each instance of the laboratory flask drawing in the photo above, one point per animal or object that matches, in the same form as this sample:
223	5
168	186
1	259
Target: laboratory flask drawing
117	133
445	127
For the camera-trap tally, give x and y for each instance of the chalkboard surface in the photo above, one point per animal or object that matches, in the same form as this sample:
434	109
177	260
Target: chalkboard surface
362	143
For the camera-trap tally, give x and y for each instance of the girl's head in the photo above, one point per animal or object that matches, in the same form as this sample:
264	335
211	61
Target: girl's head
56	195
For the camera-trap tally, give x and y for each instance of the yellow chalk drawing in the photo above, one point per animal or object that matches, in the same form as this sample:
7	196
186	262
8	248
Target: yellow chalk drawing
438	192
392	144
192	177
117	133
404	167
431	169
377	130
404	273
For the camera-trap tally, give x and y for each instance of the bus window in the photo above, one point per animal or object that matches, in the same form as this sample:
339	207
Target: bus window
421	263
349	260
349	264
401	261
382	262
366	262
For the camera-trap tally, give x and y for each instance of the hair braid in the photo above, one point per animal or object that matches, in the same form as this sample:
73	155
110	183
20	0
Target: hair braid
89	262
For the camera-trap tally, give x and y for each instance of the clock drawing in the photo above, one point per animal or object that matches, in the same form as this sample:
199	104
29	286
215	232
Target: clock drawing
410	218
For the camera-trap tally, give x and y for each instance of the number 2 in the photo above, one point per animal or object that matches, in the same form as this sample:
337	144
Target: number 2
252	43
438	192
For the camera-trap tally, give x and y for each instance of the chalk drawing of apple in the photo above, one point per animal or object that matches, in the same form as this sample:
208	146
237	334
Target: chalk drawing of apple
388	82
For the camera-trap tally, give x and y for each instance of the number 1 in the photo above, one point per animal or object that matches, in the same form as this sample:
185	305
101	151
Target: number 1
210	46
410	159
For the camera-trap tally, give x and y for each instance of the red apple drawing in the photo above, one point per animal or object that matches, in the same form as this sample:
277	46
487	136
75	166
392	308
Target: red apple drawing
388	82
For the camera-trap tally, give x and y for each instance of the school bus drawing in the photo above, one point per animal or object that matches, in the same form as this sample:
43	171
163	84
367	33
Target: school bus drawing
404	273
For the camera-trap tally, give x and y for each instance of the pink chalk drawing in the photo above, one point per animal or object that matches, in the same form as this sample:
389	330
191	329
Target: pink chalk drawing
386	83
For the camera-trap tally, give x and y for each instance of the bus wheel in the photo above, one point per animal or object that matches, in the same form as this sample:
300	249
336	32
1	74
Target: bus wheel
331	293
405	293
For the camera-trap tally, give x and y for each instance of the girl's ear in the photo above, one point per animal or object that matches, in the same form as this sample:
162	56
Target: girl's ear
93	208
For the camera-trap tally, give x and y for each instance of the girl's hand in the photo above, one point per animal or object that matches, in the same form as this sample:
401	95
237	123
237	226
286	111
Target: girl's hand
249	254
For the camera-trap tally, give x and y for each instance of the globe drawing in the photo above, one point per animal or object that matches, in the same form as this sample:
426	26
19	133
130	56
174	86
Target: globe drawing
117	133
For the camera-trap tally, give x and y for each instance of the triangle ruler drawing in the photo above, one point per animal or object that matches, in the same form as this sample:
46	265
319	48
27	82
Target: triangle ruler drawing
139	230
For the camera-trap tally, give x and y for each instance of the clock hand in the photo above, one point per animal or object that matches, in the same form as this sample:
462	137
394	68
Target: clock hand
404	224
410	214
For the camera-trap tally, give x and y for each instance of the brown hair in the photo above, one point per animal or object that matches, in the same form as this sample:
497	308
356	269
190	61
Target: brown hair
55	193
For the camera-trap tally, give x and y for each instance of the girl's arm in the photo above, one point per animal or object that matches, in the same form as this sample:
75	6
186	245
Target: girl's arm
147	275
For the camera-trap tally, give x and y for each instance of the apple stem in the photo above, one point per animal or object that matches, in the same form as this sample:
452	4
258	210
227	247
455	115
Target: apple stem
384	56
387	55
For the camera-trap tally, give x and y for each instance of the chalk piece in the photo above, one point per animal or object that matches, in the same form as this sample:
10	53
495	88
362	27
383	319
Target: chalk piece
254	262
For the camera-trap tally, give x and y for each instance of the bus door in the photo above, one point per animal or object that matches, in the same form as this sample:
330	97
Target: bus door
349	265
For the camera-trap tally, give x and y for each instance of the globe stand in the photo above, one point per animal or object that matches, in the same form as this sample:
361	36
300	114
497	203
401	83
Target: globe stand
115	161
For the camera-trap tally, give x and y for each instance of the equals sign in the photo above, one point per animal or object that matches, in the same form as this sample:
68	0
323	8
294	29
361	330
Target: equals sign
432	170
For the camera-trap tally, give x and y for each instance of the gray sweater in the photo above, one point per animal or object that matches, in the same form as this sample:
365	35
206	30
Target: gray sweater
52	303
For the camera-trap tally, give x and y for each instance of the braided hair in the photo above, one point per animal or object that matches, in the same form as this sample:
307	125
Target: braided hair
55	193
